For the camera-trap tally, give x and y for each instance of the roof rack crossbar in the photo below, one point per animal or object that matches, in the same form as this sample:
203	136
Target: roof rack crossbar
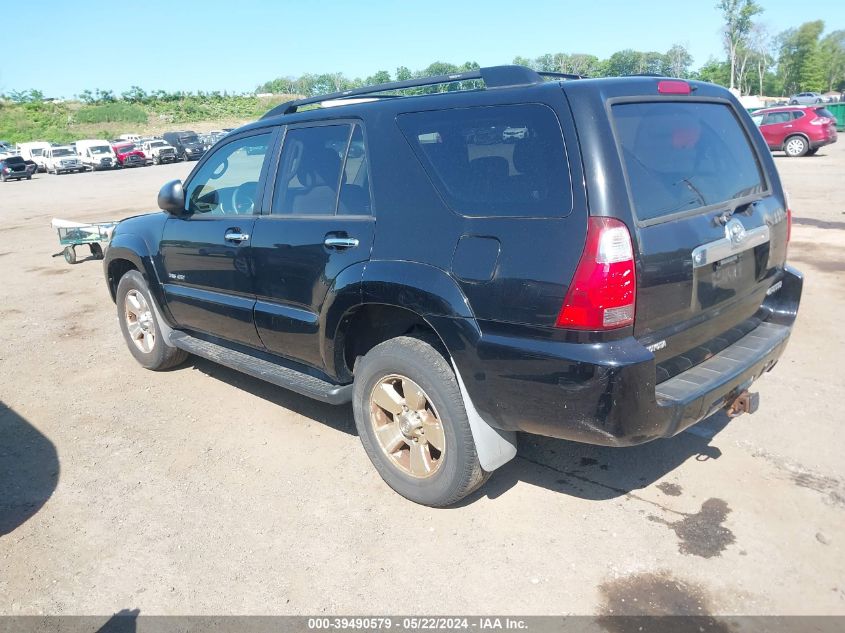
493	77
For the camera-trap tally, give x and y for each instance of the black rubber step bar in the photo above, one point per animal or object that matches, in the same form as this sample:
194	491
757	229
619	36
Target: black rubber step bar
274	373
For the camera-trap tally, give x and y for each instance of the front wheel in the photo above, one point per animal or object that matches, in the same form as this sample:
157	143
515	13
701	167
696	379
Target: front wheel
140	327
70	254
796	146
411	420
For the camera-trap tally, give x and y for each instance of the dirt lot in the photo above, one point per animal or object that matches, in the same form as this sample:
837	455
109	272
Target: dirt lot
203	491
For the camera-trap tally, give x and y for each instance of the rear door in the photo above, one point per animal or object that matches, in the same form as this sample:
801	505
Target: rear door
776	127
320	223
206	255
711	230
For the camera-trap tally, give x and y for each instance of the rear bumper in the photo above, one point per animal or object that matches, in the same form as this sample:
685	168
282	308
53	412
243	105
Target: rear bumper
605	393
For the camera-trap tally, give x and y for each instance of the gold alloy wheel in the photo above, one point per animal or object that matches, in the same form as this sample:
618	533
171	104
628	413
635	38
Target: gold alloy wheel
407	426
139	321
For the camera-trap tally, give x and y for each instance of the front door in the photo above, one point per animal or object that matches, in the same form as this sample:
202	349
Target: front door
208	274
320	224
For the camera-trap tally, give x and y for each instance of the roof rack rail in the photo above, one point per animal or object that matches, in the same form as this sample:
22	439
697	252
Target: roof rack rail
546	73
493	77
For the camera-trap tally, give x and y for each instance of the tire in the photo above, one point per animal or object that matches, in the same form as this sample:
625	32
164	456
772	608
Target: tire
448	473
96	250
793	102
2	178
795	146
145	342
156	161
70	254
29	177
812	152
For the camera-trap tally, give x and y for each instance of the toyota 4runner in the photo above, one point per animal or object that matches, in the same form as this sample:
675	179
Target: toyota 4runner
611	273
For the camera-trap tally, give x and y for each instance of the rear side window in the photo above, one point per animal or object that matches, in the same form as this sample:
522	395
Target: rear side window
683	156
323	171
777	117
506	161
797	114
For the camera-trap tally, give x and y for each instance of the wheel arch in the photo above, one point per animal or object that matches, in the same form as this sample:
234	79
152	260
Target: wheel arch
385	299
794	134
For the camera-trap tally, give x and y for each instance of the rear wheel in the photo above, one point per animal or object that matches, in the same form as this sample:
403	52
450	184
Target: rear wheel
70	254
140	327
411	420
795	146
812	152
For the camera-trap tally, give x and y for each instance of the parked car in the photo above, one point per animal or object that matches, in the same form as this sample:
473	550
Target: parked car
131	138
798	131
613	277
187	144
34	151
62	159
128	155
806	98
96	154
14	168
159	151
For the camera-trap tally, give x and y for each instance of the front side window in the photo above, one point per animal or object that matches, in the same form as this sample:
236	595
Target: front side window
227	182
682	156
322	171
505	161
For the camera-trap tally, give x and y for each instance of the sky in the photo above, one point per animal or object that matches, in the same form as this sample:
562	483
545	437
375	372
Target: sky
235	45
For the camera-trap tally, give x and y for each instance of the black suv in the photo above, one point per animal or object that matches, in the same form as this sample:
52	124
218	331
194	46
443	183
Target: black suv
599	260
187	143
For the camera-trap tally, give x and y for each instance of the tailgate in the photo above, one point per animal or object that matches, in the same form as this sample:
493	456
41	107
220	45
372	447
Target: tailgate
712	231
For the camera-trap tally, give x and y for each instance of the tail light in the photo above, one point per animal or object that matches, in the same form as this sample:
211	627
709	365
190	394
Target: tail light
822	120
603	289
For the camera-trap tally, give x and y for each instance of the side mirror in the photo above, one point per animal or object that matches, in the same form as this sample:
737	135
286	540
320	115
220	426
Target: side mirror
171	198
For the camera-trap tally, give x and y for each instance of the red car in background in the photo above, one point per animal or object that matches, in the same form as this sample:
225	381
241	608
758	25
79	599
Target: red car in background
128	155
797	130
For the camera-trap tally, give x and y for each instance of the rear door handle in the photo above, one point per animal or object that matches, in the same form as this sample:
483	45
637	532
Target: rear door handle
340	242
232	236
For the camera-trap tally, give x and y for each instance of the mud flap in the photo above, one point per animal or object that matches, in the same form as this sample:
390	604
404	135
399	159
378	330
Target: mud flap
495	448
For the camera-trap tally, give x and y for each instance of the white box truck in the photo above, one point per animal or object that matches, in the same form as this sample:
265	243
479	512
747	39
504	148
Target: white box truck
34	151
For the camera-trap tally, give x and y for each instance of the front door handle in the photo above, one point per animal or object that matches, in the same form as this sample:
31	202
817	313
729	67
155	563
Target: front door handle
787	126
340	242
232	236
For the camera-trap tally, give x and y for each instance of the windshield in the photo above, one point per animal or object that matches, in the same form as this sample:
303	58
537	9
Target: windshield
158	144
684	156
123	149
189	138
100	149
62	151
36	152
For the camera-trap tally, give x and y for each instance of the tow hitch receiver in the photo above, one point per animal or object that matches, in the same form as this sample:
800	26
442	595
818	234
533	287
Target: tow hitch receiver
745	402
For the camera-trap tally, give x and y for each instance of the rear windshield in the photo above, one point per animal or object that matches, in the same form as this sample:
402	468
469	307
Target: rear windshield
825	112
684	156
501	161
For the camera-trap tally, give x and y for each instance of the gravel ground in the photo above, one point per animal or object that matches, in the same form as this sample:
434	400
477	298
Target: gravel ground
200	490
